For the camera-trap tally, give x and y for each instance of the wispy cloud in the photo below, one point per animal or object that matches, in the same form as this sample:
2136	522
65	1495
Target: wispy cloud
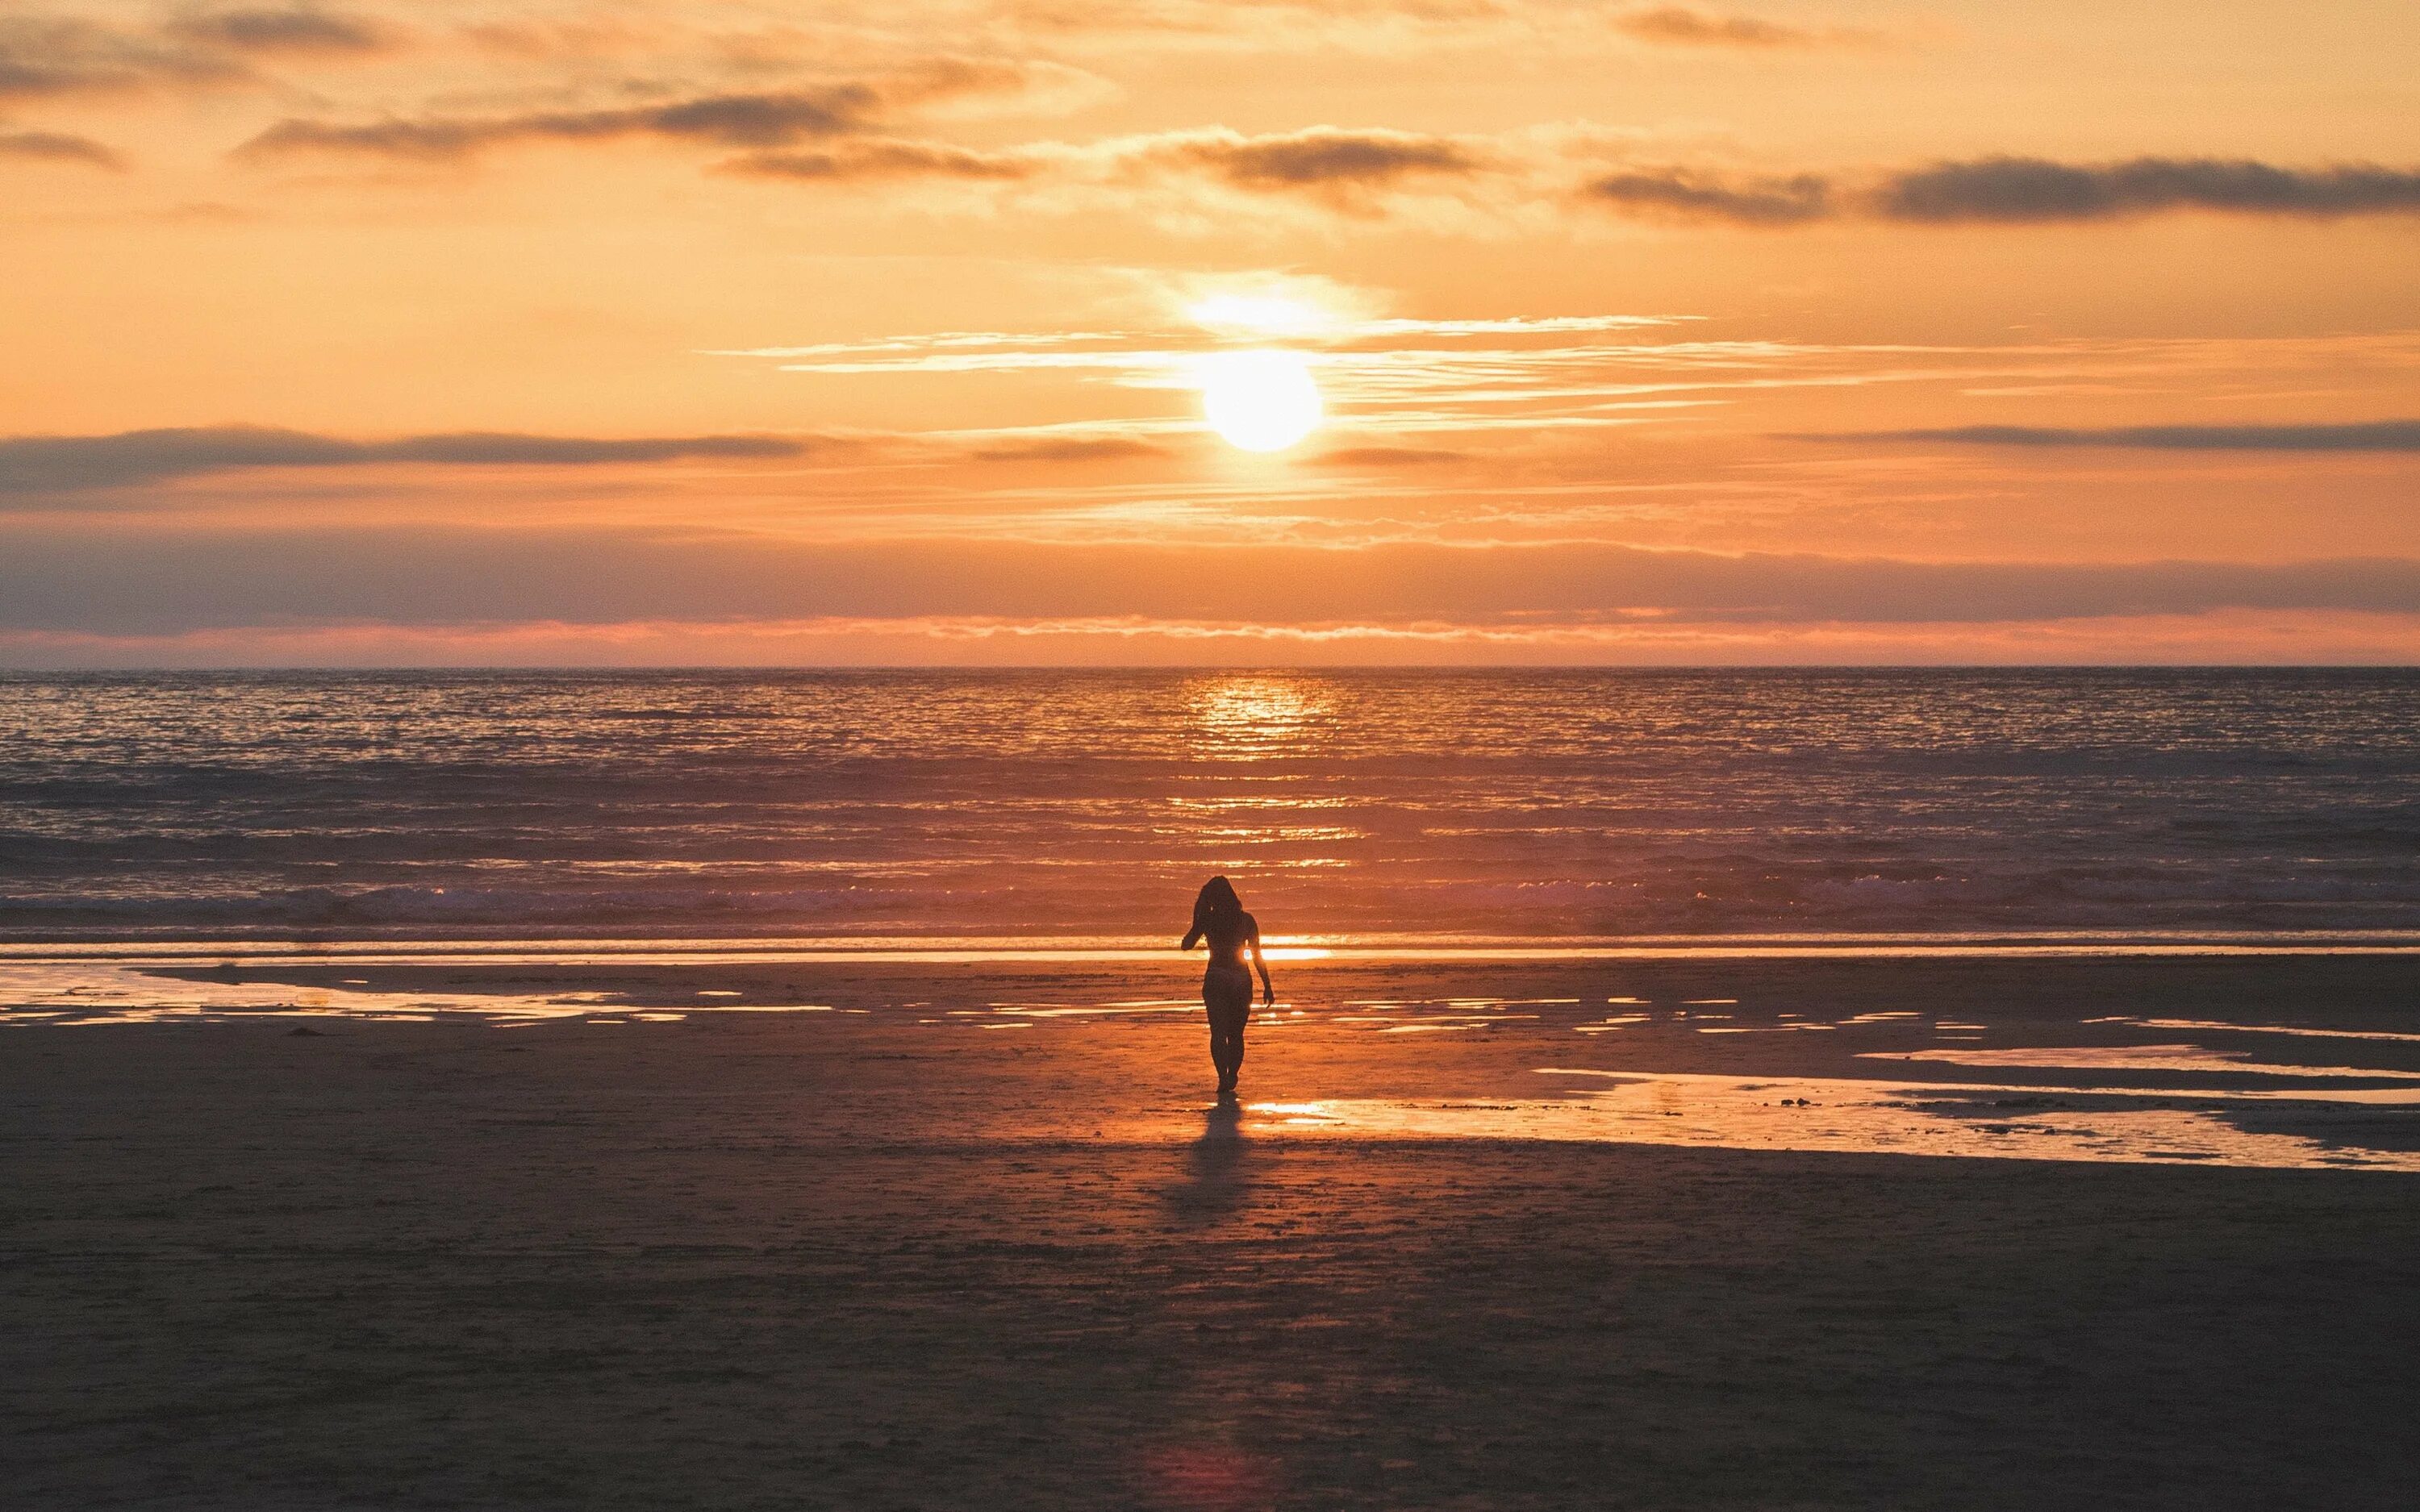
1322	158
1411	382
2364	435
1397	375
762	119
1069	449
2013	190
1689	196
283	32
43	56
758	120
66	464
55	146
1388	457
885	159
1680	26
2035	188
1344	169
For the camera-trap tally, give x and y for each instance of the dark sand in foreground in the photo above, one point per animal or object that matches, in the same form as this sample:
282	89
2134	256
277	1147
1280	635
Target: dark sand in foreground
775	1260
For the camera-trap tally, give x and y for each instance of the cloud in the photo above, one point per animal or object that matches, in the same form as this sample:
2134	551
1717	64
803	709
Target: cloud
763	120
2014	191
1386	457
51	146
47	57
1686	196
2365	436
1348	169
1678	26
1070	449
108	581
282	32
883	158
68	464
753	120
1319	157
2036	189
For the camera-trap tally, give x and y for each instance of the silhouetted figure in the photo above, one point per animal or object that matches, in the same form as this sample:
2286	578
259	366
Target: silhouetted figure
1226	985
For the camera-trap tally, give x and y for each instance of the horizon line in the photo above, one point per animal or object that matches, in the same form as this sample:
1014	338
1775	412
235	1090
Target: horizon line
134	669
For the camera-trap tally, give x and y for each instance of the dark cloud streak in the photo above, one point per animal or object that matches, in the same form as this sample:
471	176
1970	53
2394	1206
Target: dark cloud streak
754	120
2010	190
72	463
1692	197
1071	449
882	159
1387	457
1327	163
763	120
2362	436
1678	26
2031	190
45	57
282	32
1324	157
52	147
96	581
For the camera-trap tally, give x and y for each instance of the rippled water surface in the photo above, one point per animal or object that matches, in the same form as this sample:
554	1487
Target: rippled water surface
1087	805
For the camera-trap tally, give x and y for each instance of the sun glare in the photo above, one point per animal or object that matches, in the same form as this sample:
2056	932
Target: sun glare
1261	401
1264	315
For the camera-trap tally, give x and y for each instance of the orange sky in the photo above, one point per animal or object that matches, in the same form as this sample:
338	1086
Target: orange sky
627	331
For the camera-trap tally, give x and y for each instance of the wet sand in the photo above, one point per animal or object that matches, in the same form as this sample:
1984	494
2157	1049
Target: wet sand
871	1236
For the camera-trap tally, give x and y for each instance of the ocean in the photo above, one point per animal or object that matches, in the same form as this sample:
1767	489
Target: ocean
1085	807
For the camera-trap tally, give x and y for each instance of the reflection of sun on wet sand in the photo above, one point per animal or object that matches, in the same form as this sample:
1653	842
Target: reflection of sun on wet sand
1844	1115
1670	1233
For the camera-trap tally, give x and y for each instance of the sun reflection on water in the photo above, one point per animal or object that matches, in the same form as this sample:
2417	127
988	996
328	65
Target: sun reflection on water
1252	717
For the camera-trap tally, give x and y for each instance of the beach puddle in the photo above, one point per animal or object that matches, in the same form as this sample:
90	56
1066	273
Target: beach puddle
70	995
2140	1057
2236	1100
2297	1030
2374	1129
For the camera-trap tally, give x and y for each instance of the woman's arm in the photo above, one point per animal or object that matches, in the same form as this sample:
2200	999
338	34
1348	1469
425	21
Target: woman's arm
1268	994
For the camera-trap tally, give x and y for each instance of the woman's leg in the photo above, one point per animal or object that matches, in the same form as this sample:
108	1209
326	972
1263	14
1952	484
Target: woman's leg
1228	1001
1227	1042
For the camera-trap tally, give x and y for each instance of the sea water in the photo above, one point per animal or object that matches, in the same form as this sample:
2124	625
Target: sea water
1087	806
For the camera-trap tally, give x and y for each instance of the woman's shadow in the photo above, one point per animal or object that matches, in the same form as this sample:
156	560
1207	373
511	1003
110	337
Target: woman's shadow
1216	1167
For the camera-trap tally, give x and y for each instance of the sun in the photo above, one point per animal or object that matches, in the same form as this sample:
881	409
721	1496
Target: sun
1261	401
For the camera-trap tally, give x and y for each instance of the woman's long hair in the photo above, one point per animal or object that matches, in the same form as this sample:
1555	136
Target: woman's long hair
1216	902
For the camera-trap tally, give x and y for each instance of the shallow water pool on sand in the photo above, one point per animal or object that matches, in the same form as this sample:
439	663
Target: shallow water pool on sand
1776	1054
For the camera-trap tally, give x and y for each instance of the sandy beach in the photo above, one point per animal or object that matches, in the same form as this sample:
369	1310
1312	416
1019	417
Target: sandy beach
799	1233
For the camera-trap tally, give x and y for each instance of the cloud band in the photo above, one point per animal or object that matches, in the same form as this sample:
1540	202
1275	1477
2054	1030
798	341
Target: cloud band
2362	436
68	464
152	582
2014	191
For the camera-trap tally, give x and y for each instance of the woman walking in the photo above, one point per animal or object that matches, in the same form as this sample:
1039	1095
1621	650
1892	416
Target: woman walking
1226	985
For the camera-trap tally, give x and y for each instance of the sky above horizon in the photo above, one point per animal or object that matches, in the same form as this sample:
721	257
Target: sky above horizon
620	331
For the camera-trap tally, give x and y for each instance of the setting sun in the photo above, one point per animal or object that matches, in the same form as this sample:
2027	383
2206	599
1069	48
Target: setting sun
1261	401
